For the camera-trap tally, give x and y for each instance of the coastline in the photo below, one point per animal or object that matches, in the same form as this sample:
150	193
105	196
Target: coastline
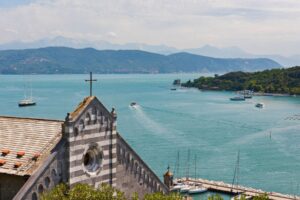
254	93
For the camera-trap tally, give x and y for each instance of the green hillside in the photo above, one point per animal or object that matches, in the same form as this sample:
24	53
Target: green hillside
283	81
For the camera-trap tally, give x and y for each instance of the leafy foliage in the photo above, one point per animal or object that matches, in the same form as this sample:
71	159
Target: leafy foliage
281	81
104	192
83	192
215	197
261	197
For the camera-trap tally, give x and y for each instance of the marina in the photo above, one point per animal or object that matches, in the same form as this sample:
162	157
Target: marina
235	190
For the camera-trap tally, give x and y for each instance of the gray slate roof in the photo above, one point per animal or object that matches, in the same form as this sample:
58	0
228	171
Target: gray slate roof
33	136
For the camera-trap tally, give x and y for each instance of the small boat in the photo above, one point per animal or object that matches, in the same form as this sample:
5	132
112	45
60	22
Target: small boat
238	98
185	188
259	105
27	102
246	93
173	89
177	82
177	187
132	104
247	96
197	190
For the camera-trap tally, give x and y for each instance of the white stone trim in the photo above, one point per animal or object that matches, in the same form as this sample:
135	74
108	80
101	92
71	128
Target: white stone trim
86	177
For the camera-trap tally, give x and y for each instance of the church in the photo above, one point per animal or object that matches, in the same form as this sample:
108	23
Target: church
37	154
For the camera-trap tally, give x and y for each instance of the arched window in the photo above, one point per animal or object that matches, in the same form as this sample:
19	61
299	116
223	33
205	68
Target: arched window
76	131
47	182
88	119
41	188
53	174
94	115
34	196
81	125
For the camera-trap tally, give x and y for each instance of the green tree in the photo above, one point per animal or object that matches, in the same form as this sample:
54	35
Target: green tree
104	192
261	197
83	192
161	196
215	197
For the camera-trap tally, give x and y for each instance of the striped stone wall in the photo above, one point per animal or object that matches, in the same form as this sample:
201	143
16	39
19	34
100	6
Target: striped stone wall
94	130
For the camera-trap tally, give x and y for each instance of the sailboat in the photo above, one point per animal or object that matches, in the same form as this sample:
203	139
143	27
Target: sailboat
196	189
185	188
27	101
235	181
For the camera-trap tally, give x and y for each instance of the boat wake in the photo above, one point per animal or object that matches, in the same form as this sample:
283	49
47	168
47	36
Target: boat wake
156	128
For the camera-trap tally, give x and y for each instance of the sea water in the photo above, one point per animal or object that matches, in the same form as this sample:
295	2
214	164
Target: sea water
170	121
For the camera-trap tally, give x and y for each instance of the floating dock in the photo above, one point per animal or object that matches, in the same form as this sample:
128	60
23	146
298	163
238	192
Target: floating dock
222	187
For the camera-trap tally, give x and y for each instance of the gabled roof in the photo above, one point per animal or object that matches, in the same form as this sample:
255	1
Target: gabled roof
81	106
84	104
28	136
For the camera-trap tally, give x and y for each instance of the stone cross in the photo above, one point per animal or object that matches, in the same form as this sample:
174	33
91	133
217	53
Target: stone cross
91	82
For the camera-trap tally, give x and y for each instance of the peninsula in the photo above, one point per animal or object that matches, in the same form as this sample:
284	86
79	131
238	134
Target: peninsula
279	81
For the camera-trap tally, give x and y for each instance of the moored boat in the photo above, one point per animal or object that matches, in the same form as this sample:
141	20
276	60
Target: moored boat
238	98
197	190
185	188
27	102
178	187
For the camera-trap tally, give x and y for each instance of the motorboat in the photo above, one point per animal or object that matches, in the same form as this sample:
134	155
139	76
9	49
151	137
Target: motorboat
238	98
132	104
259	105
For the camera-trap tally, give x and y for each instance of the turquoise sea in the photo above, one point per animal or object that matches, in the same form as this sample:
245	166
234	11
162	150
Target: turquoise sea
206	122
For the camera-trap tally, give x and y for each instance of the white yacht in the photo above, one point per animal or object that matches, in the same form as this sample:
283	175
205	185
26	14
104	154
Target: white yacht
27	101
197	190
185	188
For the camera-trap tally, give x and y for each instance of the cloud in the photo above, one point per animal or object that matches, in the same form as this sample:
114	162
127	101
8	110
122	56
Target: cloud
268	26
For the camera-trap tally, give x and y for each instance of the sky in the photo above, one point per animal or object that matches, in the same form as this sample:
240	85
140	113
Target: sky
257	26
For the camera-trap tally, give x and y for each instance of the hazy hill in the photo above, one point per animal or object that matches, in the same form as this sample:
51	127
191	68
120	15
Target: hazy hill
68	60
206	50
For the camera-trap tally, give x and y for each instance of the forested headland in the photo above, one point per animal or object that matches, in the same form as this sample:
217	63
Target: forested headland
281	81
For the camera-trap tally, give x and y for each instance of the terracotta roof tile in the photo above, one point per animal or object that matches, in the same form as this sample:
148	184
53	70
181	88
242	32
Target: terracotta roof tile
28	137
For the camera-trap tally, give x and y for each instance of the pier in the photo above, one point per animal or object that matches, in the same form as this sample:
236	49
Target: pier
222	187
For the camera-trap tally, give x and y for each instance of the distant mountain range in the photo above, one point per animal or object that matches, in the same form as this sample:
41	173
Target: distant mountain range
207	50
53	60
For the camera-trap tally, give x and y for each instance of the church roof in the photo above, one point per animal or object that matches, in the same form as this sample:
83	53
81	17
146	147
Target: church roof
25	142
81	106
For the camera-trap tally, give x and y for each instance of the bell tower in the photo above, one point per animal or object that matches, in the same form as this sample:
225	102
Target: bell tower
168	178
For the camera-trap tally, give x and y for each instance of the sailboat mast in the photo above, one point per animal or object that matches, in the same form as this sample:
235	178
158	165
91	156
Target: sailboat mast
236	171
177	165
188	165
195	166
